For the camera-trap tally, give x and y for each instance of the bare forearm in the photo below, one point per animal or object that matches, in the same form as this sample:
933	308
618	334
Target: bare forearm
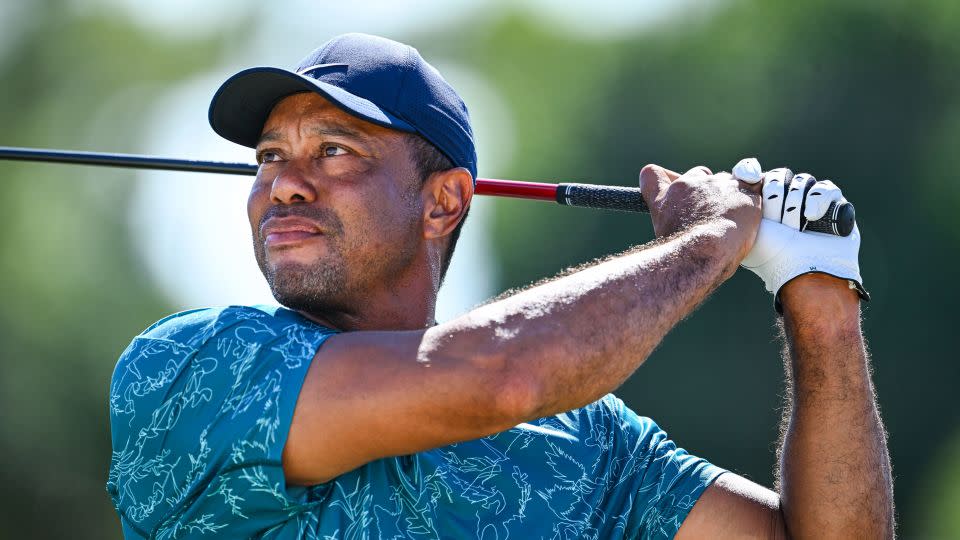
835	478
571	340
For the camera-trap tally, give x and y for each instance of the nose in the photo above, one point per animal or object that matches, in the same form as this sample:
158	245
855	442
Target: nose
291	185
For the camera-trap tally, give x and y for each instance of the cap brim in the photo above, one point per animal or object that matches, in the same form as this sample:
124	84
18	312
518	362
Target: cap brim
242	104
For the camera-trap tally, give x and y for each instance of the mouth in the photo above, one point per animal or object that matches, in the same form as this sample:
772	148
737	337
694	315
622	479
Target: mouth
278	232
279	238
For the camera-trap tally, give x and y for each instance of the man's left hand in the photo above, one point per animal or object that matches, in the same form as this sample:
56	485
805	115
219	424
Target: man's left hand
782	251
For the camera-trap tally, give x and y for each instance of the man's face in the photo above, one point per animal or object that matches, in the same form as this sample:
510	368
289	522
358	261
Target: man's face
335	210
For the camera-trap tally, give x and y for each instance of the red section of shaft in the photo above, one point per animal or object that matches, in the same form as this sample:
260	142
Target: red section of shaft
516	188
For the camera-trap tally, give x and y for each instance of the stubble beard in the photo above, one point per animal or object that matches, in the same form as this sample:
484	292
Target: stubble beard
325	285
313	288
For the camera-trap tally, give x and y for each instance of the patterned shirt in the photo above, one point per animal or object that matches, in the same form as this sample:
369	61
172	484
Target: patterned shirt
200	406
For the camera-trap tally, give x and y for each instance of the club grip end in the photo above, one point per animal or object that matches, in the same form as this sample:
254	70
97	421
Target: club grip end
839	220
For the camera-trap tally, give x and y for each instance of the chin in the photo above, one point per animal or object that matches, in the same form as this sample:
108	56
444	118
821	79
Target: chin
308	287
298	255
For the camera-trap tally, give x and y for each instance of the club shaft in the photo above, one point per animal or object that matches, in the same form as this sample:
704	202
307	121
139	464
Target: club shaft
517	189
485	186
127	161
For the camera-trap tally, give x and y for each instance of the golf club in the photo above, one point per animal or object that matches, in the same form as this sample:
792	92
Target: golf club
839	219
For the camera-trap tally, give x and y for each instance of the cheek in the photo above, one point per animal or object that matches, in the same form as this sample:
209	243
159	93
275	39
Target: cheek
345	169
381	222
256	205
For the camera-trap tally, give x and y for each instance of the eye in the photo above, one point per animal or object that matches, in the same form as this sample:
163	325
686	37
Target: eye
266	156
332	150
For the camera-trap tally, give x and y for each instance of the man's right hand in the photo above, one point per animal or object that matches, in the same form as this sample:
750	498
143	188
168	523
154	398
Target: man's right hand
678	202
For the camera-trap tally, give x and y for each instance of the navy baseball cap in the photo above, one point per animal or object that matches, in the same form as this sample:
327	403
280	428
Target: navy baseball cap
373	78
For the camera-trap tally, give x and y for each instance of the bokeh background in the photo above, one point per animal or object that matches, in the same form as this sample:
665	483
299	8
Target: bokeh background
864	92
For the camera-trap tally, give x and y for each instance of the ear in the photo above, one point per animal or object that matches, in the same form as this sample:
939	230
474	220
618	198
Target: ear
446	197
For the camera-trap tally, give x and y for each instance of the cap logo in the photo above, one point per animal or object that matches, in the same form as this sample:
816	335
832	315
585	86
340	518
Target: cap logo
325	67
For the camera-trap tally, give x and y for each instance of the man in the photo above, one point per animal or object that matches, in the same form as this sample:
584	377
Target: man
349	413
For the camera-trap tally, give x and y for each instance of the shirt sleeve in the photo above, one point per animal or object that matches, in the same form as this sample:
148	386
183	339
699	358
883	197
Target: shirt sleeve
658	483
200	407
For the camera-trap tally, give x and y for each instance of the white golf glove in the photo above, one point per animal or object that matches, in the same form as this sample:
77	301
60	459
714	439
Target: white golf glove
782	250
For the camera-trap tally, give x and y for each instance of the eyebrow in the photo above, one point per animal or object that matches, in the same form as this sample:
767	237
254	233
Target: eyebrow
323	130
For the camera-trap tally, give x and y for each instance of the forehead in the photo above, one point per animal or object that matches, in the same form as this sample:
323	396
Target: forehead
308	110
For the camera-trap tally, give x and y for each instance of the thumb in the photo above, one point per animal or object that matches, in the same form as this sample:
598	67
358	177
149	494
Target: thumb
653	180
748	170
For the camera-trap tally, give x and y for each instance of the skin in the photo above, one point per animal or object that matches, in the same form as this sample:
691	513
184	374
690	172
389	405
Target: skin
393	383
834	476
376	263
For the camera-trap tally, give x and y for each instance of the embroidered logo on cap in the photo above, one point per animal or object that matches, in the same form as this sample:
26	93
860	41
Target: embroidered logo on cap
315	67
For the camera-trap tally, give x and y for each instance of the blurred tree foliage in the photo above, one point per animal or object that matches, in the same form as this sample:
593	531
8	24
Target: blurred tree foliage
866	93
74	292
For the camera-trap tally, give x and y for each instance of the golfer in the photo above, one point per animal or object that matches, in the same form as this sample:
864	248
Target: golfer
349	412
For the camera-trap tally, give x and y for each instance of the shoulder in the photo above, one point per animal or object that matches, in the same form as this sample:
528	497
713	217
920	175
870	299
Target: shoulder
613	412
199	324
222	327
644	446
606	427
222	340
638	435
662	480
201	395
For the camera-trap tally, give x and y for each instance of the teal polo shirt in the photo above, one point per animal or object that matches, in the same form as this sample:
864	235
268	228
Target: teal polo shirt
201	403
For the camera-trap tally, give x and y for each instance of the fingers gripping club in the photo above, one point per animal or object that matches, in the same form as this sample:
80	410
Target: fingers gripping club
838	219
802	199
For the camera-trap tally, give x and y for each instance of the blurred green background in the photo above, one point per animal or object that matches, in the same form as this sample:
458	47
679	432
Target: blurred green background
864	92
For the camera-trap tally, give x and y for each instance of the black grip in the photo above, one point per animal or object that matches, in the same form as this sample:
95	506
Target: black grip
839	220
609	197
